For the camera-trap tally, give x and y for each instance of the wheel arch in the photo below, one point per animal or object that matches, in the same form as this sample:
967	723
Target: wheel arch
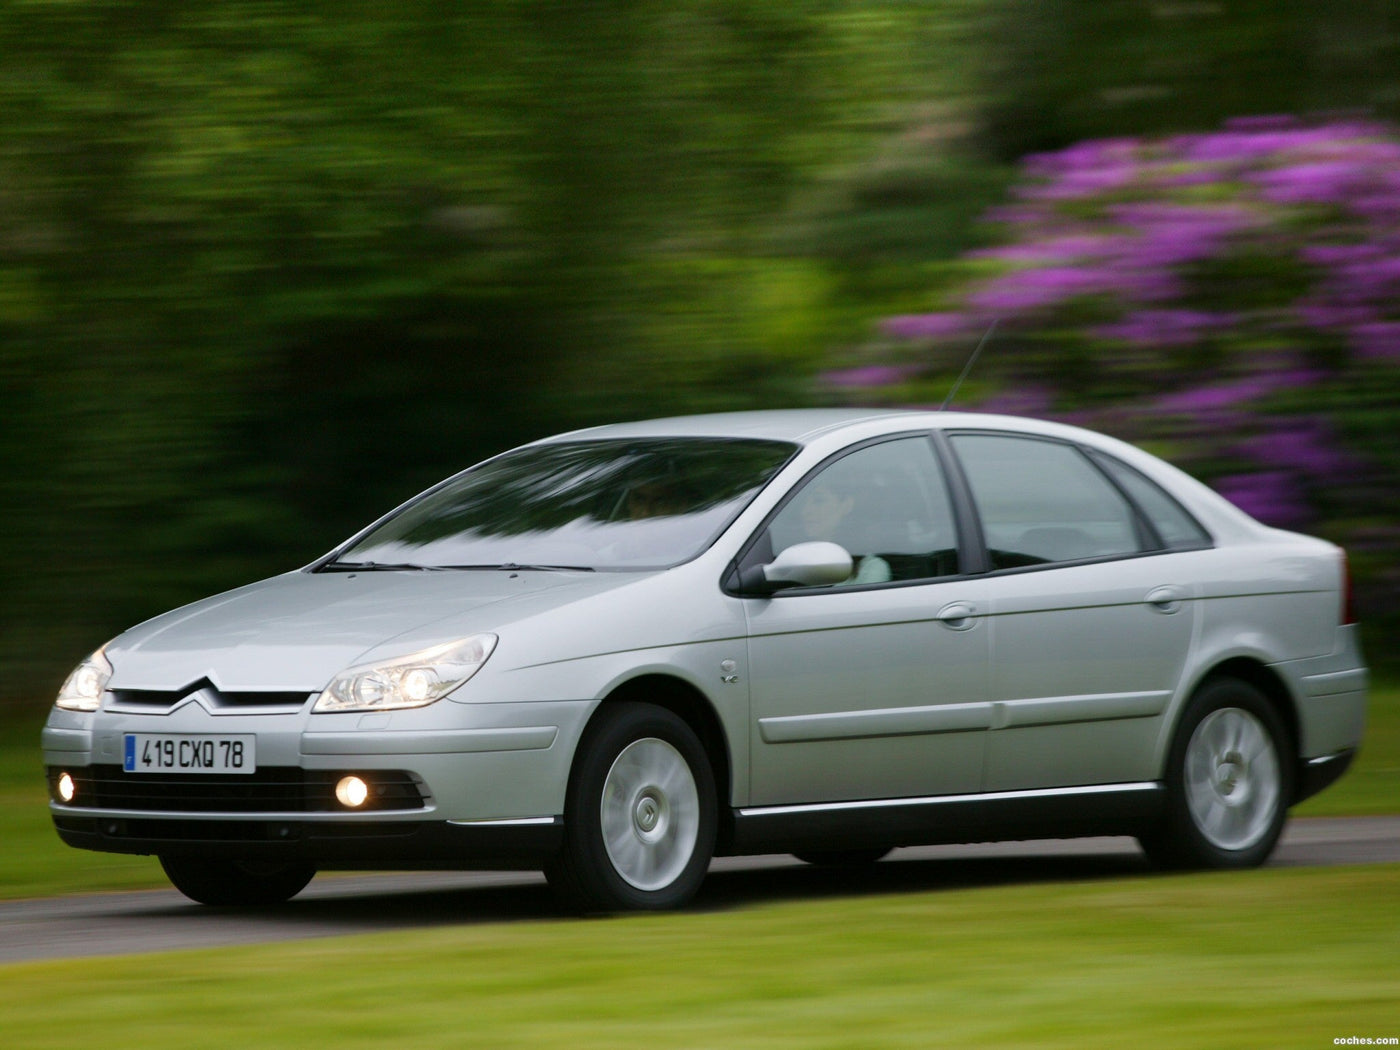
1270	685
690	705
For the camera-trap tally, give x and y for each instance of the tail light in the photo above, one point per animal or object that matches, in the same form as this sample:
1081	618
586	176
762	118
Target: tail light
1348	609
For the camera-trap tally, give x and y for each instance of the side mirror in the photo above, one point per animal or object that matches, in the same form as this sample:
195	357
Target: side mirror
815	564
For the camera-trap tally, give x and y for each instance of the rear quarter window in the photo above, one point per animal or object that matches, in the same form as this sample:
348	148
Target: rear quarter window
1176	528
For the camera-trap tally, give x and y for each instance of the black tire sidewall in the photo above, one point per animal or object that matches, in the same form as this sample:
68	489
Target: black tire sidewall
596	885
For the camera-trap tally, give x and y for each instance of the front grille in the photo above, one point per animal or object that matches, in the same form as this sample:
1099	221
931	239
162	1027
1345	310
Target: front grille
165	699
271	789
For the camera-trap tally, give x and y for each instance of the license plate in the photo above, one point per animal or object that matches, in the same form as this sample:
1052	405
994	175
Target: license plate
163	753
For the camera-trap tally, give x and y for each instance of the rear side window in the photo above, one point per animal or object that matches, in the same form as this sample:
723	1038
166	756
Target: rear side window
1043	502
1177	529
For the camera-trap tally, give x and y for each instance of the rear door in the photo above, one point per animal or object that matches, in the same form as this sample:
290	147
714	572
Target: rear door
1090	622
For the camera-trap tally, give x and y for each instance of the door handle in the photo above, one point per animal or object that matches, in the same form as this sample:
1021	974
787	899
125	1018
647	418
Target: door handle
957	616
1165	599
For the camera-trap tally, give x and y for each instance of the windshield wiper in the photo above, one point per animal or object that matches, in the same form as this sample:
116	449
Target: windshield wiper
511	566
376	566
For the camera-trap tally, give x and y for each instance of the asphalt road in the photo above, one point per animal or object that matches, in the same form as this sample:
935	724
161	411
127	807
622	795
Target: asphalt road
162	920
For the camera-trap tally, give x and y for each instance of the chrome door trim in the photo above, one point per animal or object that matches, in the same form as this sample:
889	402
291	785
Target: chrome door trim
961	718
936	800
506	822
1092	707
887	721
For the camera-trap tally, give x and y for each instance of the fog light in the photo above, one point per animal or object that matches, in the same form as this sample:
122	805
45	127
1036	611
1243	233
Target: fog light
66	788
351	792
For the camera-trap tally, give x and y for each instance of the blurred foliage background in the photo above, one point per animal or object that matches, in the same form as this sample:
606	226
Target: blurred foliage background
267	268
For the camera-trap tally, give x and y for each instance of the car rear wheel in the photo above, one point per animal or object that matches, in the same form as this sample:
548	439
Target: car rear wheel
1229	781
639	823
233	882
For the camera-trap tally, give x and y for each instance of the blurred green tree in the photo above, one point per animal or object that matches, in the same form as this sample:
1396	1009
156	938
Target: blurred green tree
267	268
1058	71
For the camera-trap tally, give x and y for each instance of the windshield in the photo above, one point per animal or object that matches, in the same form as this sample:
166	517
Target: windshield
618	504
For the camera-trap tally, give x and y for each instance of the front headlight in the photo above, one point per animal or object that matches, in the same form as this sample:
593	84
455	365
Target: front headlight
415	680
82	691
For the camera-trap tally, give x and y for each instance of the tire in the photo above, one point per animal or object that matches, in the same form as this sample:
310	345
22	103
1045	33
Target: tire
640	818
1229	781
843	858
234	882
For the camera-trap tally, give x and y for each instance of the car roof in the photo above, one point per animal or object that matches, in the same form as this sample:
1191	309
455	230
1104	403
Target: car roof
826	428
800	425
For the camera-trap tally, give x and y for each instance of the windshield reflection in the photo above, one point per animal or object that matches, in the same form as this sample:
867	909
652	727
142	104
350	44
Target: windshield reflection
588	504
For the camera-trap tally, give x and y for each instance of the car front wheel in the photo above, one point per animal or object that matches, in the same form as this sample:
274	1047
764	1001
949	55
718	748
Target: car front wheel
1229	780
641	814
232	882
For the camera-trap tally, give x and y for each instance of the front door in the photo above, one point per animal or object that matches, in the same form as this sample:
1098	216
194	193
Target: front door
875	687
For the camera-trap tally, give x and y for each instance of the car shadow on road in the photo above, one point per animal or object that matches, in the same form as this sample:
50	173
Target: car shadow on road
737	889
527	898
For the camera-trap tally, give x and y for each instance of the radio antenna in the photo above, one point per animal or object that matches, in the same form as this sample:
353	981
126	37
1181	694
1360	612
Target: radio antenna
970	362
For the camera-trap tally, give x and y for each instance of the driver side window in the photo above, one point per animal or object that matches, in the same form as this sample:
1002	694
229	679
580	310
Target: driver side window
886	505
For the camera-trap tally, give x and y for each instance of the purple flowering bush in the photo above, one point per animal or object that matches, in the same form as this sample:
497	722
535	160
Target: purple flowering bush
1230	300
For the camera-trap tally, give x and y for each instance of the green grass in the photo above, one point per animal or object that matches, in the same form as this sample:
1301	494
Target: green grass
35	863
1273	958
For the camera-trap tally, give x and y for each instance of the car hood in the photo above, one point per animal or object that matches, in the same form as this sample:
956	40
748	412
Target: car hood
294	632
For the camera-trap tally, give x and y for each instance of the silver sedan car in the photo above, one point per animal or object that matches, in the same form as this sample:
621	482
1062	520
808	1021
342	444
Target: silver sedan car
616	653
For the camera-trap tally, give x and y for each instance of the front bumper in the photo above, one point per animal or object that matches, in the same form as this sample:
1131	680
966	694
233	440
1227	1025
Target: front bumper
470	785
328	845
